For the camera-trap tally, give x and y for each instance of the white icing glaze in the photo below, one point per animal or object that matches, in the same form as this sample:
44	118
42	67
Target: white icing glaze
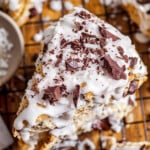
38	36
56	5
140	37
13	5
63	112
38	4
68	5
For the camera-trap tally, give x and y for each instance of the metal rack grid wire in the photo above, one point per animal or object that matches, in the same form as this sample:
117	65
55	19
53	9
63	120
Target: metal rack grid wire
11	92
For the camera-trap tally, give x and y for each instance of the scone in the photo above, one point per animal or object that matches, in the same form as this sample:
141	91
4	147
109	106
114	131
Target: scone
139	11
87	73
98	7
22	10
110	143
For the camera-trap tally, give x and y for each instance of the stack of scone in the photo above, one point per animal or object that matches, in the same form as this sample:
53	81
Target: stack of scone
85	79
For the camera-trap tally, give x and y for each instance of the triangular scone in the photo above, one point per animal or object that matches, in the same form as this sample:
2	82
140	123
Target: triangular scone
110	143
85	73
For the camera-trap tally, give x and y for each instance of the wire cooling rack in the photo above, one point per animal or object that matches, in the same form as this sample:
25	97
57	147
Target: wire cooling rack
137	125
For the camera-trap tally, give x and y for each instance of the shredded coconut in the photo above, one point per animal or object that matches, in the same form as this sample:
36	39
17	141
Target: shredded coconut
5	48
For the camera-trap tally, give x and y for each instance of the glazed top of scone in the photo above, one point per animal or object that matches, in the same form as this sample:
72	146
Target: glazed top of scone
83	60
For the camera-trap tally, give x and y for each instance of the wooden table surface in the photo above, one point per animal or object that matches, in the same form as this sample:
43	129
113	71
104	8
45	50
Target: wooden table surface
137	124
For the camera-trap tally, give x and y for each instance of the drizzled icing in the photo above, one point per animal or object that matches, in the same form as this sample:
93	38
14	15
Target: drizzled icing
110	2
143	12
76	74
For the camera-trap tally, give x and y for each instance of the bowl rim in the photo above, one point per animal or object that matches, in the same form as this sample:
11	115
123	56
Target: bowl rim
16	28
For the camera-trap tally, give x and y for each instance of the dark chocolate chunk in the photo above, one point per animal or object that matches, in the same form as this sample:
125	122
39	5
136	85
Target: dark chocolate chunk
76	93
102	124
86	62
107	34
52	94
121	52
45	47
76	45
113	68
143	1
88	38
83	15
102	96
63	89
33	12
132	87
133	61
101	52
59	58
102	42
63	43
79	26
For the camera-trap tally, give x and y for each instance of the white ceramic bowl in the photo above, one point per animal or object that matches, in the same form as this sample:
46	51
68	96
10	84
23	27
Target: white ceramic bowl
15	37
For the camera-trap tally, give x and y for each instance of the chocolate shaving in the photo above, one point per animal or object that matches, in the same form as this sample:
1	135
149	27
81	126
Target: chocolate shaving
102	125
45	47
133	61
76	93
86	63
83	15
113	68
121	52
33	12
143	1
132	87
87	38
107	34
75	45
102	42
79	26
101	52
59	59
63	43
52	94
72	64
63	89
